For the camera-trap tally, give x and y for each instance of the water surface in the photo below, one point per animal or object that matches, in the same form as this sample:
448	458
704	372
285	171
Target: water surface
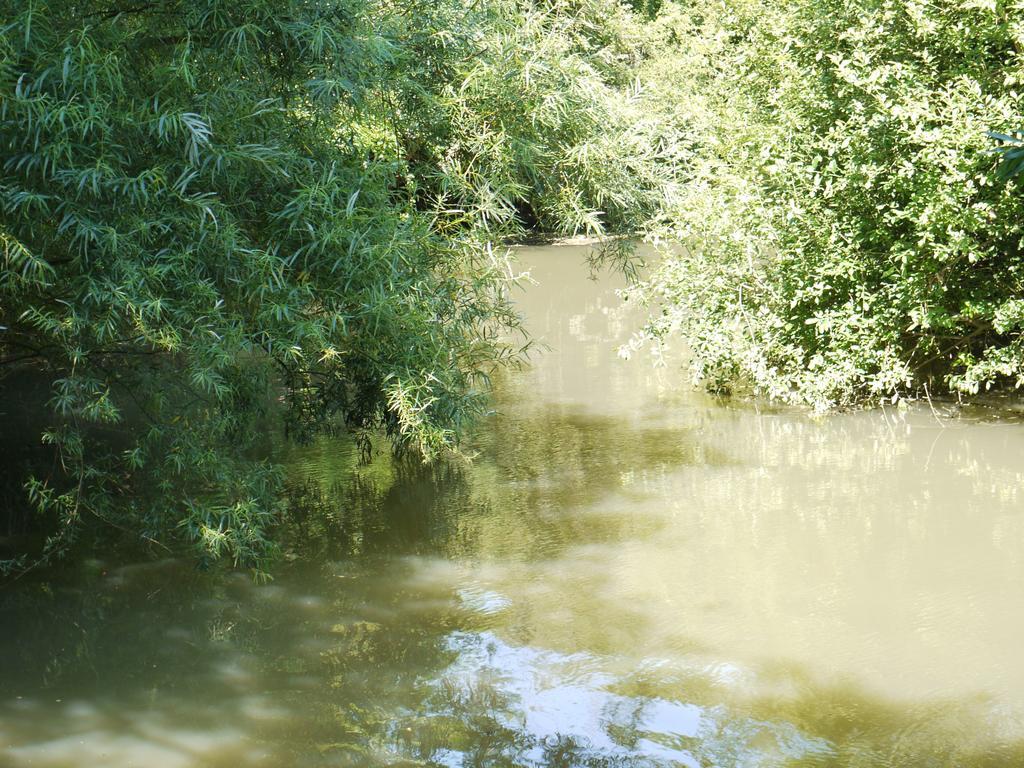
629	573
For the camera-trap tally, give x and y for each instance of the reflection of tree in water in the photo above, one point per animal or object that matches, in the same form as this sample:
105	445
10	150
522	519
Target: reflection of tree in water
522	494
365	651
334	665
230	673
868	730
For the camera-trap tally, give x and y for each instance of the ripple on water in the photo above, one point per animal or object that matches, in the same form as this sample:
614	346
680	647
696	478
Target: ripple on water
553	700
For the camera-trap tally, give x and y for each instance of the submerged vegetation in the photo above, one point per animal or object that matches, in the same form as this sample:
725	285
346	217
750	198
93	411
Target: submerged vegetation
220	217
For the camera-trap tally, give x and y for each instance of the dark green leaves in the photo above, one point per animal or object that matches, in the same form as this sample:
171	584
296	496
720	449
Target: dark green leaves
198	221
1010	151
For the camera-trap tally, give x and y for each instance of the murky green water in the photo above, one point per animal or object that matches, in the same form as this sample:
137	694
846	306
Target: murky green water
629	574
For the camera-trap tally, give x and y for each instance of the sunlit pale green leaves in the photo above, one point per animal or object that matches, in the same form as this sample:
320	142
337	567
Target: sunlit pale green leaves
846	233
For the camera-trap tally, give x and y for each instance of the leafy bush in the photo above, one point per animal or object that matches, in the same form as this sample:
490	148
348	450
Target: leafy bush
845	233
214	213
194	224
547	128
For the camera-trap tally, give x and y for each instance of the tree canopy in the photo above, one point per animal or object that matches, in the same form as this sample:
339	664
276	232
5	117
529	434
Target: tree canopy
220	219
220	216
845	233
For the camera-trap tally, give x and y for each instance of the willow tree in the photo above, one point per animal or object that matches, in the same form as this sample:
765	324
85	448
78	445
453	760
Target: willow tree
199	225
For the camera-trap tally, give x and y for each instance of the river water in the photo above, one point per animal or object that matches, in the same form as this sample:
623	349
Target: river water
628	573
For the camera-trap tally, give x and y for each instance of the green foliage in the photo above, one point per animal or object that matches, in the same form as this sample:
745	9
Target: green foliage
1011	152
214	214
845	233
196	222
531	118
549	123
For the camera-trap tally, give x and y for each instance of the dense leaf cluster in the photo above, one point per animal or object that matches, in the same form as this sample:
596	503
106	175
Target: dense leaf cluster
213	213
216	215
846	233
551	126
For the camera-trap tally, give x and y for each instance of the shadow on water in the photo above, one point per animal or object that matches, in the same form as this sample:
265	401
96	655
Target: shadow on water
383	645
625	575
535	487
383	667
